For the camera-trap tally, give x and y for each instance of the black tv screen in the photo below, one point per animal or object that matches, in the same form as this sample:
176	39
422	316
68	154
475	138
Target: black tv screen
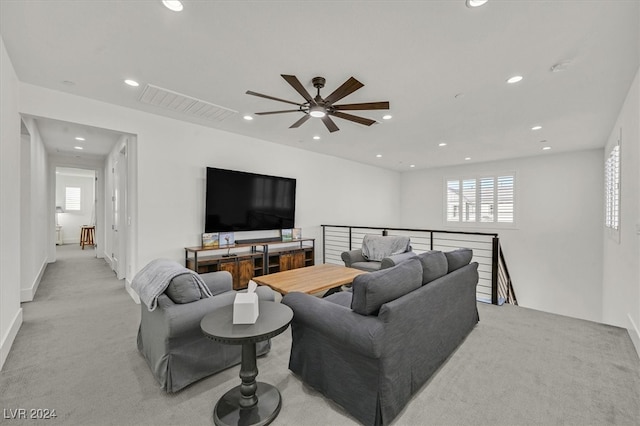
241	201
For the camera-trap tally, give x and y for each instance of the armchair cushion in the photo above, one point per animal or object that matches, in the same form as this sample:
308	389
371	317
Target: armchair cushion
183	289
434	265
456	259
371	291
218	282
377	247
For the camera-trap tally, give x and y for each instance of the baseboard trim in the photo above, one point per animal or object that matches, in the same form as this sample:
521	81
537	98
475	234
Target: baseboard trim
133	294
27	294
634	333
7	340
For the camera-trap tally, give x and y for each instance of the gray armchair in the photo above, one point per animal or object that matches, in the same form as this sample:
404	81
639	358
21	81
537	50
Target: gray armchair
170	338
378	252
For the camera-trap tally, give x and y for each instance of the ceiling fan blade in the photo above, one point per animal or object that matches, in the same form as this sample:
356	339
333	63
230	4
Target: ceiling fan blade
295	83
249	92
347	88
362	106
330	124
359	120
300	122
277	112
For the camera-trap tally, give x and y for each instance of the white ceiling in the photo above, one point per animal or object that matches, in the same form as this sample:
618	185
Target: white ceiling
418	55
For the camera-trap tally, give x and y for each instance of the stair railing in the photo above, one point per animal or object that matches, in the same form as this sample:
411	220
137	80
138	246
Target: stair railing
494	284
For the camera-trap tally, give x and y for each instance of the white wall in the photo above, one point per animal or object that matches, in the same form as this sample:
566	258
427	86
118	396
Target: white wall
172	156
621	287
72	221
34	212
554	254
10	310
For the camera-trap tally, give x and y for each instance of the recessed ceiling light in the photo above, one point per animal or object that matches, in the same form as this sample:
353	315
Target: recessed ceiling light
475	3
387	117
173	5
132	83
514	79
79	138
379	156
546	148
458	95
78	147
248	117
413	165
316	137
467	158
442	144
536	128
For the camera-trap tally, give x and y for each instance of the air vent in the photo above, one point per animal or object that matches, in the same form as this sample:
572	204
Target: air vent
168	99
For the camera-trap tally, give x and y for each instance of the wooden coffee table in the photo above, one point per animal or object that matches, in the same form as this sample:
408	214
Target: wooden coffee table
312	279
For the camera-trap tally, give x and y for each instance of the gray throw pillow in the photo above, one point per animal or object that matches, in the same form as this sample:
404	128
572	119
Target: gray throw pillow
183	289
372	290
458	258
434	265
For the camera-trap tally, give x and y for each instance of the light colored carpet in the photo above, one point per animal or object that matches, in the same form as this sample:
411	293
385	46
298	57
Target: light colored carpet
76	353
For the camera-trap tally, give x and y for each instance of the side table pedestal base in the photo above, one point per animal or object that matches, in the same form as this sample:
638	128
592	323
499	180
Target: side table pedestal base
228	411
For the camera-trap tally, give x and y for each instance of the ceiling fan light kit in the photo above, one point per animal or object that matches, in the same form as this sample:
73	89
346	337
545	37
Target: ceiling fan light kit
323	108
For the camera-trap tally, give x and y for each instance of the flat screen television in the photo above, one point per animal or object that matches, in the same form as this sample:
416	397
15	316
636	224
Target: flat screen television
241	201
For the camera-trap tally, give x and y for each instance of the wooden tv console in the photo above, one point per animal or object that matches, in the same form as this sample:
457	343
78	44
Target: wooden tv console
254	259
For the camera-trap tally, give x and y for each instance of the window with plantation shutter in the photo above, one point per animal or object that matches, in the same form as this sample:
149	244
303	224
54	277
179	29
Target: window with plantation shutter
484	200
612	189
72	198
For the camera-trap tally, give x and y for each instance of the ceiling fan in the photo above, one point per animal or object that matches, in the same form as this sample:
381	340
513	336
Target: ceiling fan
323	108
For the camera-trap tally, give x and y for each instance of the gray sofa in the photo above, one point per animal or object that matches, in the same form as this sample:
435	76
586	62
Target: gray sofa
170	338
378	252
371	349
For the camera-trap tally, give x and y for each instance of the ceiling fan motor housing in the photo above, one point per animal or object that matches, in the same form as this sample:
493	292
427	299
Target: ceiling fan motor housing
318	82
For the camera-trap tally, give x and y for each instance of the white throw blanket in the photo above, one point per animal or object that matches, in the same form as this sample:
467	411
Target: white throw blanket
377	247
154	278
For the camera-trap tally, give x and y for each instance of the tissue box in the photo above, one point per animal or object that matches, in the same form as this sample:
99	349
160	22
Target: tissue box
245	308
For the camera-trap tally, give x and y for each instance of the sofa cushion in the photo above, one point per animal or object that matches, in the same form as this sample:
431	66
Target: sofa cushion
367	266
434	265
183	289
456	259
371	291
377	247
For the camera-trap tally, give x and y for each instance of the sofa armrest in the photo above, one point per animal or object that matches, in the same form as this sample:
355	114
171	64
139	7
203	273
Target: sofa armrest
353	256
352	331
218	282
395	259
183	320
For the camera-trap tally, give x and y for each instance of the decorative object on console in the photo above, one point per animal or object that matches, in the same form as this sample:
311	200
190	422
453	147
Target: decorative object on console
324	108
287	234
210	240
296	233
227	240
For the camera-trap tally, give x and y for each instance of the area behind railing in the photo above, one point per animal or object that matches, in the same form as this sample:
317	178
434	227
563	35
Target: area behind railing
494	285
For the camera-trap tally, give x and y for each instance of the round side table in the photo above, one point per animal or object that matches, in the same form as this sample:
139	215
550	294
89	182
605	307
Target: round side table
252	402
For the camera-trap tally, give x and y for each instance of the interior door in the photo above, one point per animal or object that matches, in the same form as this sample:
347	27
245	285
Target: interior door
118	239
